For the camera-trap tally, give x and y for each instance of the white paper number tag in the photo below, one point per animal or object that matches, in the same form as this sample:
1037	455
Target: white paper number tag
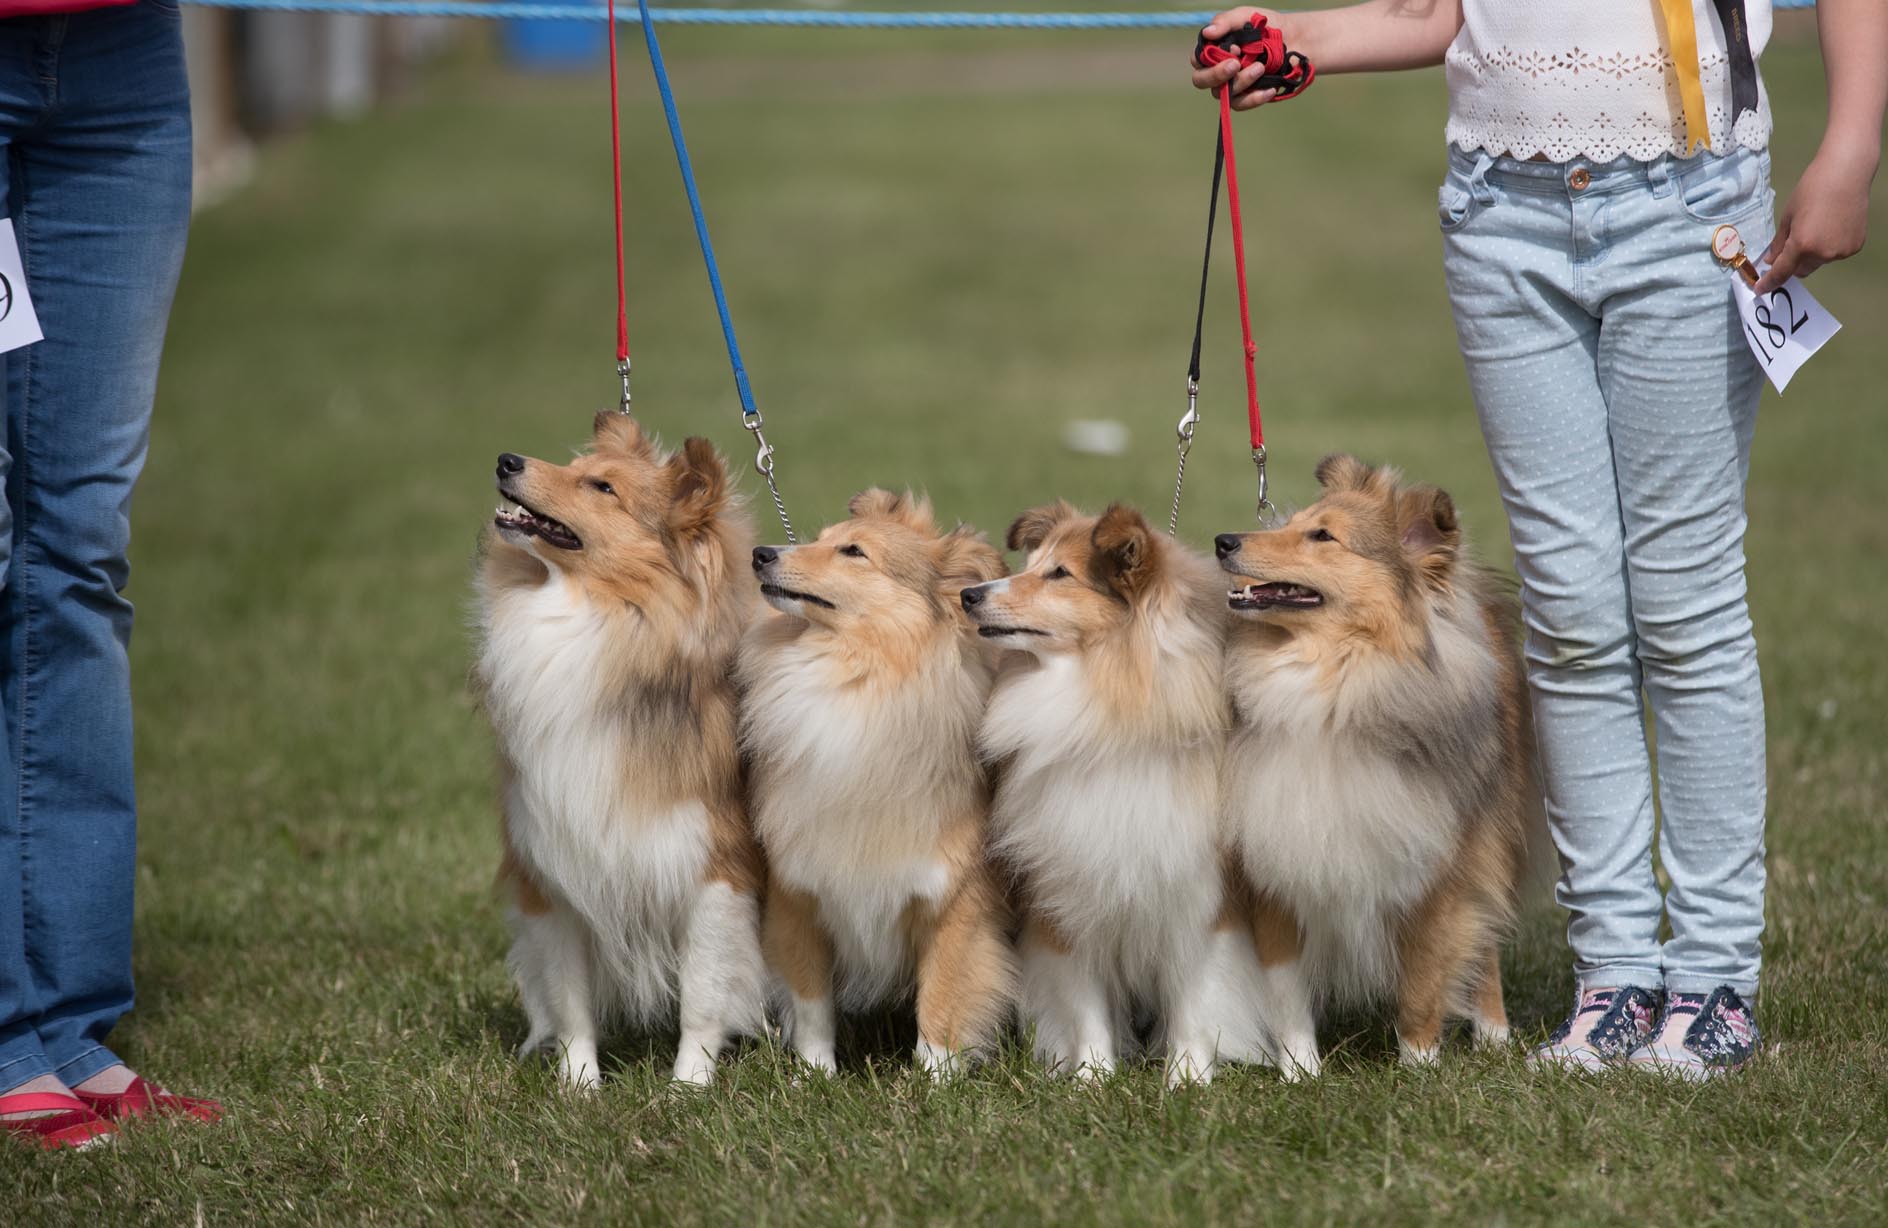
1784	327
18	324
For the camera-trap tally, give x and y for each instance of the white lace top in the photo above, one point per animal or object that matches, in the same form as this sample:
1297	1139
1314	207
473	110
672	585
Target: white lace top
1567	78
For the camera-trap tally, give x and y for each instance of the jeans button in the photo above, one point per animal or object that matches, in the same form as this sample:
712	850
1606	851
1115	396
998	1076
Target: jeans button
1580	179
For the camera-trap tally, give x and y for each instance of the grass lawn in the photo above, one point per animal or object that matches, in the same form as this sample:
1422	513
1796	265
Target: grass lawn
940	250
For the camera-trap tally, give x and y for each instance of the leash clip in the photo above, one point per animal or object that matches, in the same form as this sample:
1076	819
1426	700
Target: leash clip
1268	515
622	373
764	453
1185	432
764	465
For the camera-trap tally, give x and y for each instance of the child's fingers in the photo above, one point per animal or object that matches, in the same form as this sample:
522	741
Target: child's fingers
1247	78
1252	98
1781	256
1215	76
1225	24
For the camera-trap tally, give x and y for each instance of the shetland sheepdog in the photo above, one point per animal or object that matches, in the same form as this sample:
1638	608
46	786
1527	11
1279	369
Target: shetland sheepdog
611	606
1108	726
862	696
1380	784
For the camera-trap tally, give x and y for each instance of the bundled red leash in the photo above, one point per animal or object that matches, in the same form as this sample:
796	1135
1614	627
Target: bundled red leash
1290	74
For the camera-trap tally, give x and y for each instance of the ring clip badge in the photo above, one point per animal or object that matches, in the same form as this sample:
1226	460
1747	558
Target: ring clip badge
1784	327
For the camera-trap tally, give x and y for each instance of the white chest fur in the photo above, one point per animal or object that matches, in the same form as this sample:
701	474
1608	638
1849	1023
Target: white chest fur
629	864
855	784
1327	823
1114	830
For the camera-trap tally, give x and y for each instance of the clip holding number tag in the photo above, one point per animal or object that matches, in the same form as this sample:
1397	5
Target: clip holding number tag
1783	328
19	324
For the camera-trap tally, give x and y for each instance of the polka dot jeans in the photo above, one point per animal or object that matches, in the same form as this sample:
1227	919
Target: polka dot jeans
1618	400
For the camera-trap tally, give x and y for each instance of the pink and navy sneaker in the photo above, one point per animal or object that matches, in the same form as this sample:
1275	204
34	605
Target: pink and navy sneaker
1701	1035
1605	1026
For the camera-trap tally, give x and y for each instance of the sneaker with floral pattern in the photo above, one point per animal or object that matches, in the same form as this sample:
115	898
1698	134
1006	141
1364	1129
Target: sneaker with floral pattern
1701	1035
1606	1025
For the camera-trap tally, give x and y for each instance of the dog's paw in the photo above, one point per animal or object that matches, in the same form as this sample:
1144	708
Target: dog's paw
938	1062
815	1062
695	1069
1491	1035
1189	1070
1417	1055
582	1077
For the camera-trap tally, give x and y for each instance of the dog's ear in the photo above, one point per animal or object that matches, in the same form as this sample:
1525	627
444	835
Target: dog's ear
1124	550
700	490
965	558
1342	471
1432	536
1032	528
907	508
611	431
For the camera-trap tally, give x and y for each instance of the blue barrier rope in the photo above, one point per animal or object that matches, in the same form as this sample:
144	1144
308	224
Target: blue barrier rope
822	18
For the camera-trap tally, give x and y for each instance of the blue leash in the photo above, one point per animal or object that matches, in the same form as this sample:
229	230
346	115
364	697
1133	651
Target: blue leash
750	412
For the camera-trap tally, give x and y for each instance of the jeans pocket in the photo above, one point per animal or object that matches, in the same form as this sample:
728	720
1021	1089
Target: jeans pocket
1725	188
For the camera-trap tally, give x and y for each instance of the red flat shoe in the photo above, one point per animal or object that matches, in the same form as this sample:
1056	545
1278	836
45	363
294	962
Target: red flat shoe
70	1124
141	1099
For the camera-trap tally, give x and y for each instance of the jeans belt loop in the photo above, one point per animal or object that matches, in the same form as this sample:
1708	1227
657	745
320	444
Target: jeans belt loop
1478	184
1659	173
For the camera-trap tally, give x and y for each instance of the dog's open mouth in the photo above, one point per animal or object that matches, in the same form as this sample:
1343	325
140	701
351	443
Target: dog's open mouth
997	633
776	593
521	519
1274	595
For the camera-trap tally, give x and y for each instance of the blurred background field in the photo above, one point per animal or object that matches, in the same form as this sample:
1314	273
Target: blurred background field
941	249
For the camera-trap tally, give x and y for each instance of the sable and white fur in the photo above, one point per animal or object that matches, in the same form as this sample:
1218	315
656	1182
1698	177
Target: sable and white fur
610	607
1380	784
1108	726
862	697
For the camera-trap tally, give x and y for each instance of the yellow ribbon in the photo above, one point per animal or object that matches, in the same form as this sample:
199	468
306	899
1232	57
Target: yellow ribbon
1681	35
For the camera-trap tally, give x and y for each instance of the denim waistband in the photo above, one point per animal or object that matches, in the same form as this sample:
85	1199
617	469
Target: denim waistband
1622	174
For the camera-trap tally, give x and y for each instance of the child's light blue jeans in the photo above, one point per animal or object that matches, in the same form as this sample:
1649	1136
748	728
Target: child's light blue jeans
1618	401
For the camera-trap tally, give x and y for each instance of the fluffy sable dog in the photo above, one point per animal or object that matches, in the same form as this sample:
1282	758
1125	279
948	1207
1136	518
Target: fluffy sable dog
1380	784
1109	725
611	605
860	716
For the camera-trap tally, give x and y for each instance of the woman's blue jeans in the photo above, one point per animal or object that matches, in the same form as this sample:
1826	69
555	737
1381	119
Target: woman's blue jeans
95	123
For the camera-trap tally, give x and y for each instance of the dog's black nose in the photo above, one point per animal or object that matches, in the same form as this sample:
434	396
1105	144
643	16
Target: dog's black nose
764	555
972	597
510	464
1227	543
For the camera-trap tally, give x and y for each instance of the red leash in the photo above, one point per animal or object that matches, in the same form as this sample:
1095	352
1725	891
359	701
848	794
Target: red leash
616	178
1239	270
1288	73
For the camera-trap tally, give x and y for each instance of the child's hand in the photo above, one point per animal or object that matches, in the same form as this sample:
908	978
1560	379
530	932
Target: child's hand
1826	219
1244	97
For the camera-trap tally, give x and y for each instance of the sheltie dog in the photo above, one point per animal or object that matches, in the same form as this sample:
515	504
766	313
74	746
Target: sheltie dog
610	610
1108	726
1380	785
862	699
